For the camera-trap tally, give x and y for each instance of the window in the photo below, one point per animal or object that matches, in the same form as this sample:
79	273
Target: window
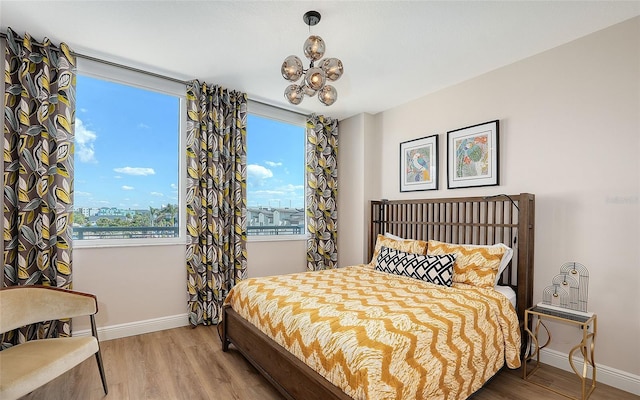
275	173
128	158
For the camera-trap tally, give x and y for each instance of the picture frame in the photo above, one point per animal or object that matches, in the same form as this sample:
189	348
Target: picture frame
473	156
419	164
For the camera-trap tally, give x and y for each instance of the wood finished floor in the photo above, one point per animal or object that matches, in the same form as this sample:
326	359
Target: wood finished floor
186	363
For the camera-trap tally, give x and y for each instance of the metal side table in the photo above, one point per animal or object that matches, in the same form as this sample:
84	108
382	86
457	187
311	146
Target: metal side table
588	326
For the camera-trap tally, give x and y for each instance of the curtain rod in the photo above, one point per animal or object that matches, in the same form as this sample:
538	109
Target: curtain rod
113	64
141	71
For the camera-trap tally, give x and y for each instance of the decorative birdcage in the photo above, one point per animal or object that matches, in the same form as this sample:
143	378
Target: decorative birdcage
569	289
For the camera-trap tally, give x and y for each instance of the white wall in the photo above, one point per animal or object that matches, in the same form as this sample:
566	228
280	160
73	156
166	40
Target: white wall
351	187
570	134
142	289
132	284
358	184
276	257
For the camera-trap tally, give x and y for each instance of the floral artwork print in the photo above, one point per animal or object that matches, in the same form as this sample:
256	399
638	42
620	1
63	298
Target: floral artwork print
472	156
418	165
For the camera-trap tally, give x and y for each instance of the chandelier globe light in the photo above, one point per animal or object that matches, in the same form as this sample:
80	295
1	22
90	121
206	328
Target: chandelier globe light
312	81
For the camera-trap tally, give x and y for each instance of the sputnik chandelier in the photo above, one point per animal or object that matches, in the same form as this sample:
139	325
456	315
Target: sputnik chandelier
315	77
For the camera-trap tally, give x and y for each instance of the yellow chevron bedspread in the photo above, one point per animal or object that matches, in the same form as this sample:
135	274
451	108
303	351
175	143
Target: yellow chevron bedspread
381	336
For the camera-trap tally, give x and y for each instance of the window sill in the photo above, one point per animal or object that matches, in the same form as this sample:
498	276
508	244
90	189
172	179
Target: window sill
93	244
276	238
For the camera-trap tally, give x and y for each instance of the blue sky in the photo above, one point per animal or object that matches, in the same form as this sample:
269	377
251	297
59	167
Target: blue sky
275	163
126	146
126	151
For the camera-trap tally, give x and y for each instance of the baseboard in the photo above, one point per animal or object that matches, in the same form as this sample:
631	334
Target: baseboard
609	376
137	327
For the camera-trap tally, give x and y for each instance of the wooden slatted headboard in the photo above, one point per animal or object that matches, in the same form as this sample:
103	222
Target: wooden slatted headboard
508	219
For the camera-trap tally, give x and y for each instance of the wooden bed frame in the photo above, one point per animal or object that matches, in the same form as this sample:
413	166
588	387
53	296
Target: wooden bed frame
509	219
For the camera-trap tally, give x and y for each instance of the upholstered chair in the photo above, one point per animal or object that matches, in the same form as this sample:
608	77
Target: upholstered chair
27	366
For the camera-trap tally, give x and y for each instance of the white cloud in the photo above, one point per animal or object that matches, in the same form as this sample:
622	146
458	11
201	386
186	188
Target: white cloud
273	164
135	171
258	172
125	187
291	188
268	192
142	125
157	194
84	139
173	186
81	194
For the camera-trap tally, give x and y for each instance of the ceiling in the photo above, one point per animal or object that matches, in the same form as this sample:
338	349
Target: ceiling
392	51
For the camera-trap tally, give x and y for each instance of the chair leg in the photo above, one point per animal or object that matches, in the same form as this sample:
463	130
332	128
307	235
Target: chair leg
103	377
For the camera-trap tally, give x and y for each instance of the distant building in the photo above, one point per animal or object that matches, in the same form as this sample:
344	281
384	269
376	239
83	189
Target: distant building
87	211
94	213
271	216
275	221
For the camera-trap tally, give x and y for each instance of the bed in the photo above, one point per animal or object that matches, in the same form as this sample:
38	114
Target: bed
435	361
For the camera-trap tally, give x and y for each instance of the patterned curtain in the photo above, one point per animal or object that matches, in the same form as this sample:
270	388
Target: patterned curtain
322	192
216	197
39	117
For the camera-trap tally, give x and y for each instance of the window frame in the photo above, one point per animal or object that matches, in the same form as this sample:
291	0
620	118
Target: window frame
151	82
289	117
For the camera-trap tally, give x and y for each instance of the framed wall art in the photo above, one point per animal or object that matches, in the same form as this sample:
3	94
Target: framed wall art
419	164
473	156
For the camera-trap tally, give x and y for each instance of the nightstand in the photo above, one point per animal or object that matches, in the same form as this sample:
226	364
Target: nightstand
588	325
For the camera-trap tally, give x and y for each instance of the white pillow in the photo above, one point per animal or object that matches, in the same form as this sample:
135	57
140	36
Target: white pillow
506	258
394	237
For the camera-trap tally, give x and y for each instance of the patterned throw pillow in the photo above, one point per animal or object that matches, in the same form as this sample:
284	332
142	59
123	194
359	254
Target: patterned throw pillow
477	266
406	245
434	269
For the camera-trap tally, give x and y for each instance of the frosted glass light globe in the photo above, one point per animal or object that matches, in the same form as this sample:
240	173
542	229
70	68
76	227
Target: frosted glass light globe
315	78
333	68
291	68
328	95
314	48
294	94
